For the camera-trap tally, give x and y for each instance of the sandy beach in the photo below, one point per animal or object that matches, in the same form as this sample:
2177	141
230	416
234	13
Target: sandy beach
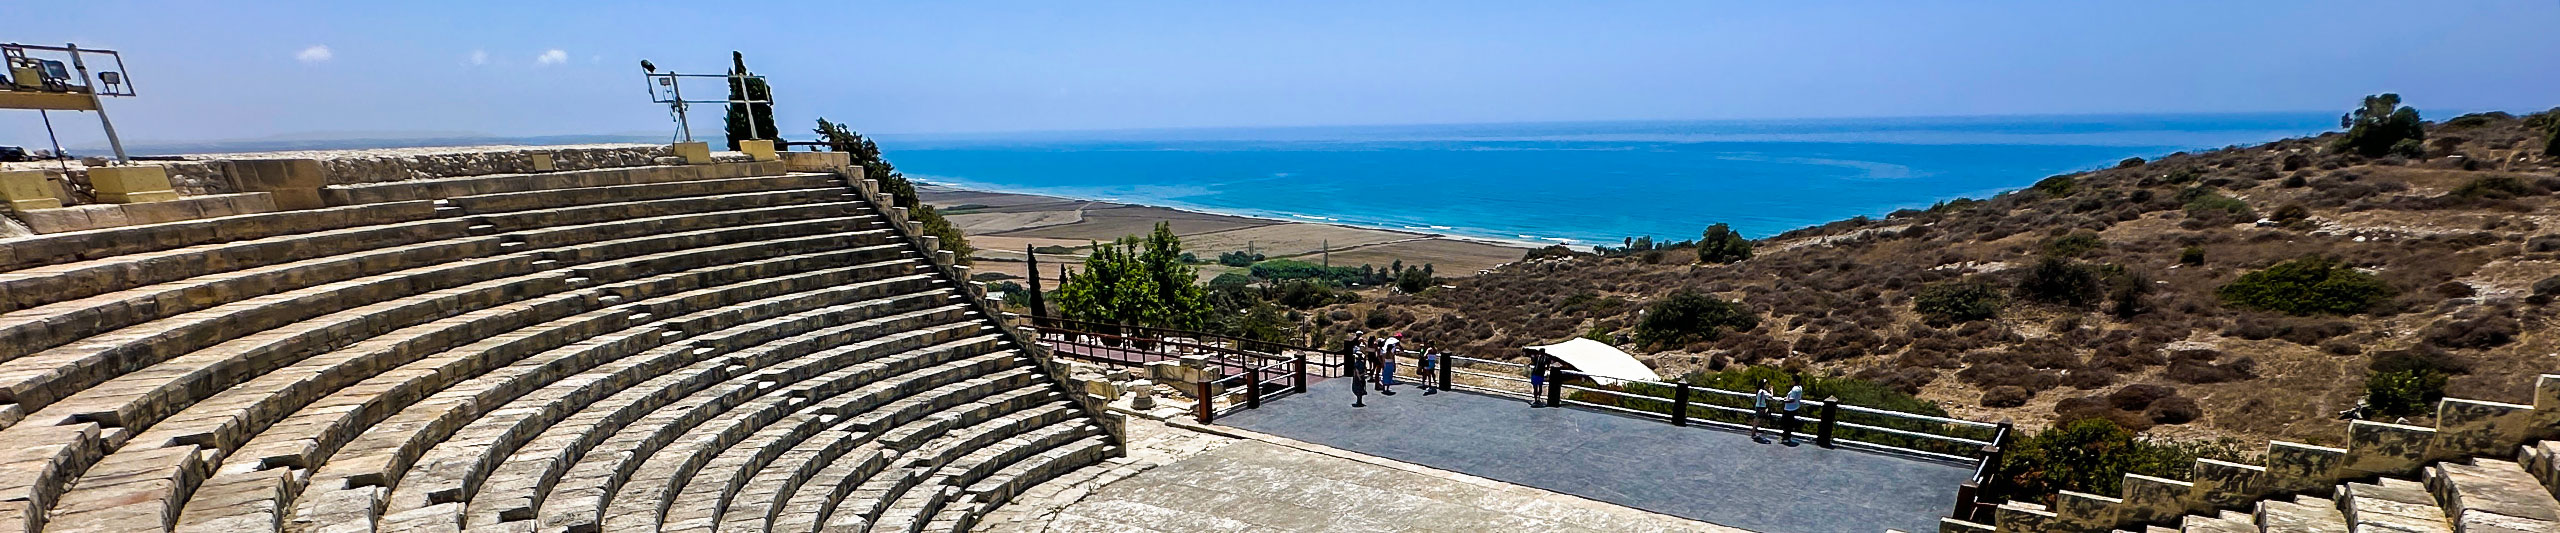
1005	226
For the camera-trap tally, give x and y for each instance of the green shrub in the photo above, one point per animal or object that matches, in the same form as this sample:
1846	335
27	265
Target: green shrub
1240	258
1688	315
2191	256
2074	244
2093	455
2205	203
2382	122
2547	122
1950	302
2404	392
2061	281
2060	186
2494	188
1415	280
1722	245
2311	285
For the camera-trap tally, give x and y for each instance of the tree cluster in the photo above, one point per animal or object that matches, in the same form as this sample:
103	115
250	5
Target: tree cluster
1137	282
2384	127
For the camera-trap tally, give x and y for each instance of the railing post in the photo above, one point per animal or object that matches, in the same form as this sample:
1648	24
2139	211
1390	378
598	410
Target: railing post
1680	405
1447	361
1830	416
1298	367
1203	411
1252	387
1555	387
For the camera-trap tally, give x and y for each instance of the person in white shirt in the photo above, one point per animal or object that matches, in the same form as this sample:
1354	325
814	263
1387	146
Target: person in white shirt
1795	400
1759	410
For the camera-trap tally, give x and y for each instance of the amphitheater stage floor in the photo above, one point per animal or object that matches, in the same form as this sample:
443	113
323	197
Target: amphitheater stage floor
1710	475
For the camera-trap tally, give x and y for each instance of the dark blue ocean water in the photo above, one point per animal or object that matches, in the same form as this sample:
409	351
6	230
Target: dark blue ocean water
1586	183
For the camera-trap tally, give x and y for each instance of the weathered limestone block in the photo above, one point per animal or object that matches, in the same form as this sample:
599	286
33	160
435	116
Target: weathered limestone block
1950	525
542	162
2017	517
2080	511
693	153
101	216
123	185
837	162
2154	501
2546	408
293	183
758	150
30	189
2472	427
2297	467
2386	449
1142	394
2228	485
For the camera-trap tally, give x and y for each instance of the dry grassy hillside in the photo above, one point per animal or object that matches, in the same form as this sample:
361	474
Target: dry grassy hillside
2461	236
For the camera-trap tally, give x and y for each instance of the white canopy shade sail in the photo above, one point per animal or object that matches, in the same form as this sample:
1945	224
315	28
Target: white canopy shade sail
1600	360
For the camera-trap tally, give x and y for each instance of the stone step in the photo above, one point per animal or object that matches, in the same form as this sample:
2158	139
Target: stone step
809	506
552	198
431	189
96	307
2302	514
37	286
2542	459
365	464
2211	524
2393	505
625	210
521	484
653	484
2493	496
75	246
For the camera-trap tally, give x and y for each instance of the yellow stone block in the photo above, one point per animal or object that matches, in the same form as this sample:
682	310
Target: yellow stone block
122	185
758	149
543	163
29	189
694	153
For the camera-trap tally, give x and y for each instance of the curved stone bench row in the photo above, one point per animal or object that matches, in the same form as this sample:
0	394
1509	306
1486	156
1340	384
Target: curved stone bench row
74	246
662	348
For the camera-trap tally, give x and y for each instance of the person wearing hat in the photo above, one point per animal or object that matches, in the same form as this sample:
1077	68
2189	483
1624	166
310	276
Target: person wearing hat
1387	363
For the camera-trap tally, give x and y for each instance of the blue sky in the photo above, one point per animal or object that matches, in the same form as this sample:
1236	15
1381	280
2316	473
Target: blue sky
239	70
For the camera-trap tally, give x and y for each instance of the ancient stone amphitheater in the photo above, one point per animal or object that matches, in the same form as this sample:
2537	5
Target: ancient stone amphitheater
731	345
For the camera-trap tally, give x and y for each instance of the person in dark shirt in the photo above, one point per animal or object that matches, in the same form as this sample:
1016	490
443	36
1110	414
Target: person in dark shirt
1539	361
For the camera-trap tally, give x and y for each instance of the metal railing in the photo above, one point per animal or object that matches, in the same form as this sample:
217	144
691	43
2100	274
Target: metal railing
1681	404
1255	376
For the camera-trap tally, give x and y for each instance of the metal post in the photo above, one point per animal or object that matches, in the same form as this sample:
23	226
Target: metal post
1298	367
1555	387
675	86
98	102
1830	415
1446	362
1252	387
1203	411
1680	405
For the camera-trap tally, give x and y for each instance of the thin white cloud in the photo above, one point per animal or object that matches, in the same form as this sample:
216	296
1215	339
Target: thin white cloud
315	54
479	57
553	56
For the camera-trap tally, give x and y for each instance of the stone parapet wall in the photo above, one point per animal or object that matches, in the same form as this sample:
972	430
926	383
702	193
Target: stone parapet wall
2464	428
203	174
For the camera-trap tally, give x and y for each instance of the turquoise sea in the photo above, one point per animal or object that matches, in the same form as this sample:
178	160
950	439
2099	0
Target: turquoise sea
1582	183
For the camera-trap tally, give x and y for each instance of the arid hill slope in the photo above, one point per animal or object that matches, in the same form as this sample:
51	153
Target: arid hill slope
2461	236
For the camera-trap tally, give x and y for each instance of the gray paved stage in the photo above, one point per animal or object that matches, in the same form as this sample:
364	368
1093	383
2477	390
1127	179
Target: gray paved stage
1704	474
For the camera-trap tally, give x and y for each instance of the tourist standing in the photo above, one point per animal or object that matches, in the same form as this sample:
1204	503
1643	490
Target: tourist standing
1795	401
1387	363
1759	410
1430	361
1538	361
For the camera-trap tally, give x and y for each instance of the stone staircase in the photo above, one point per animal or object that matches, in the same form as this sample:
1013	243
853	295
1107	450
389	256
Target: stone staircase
2485	467
741	346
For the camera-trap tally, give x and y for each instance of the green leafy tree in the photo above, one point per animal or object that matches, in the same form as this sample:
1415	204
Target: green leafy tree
2372	130
901	192
739	127
1138	282
1688	315
2312	285
1415	280
2092	455
1176	281
1723	245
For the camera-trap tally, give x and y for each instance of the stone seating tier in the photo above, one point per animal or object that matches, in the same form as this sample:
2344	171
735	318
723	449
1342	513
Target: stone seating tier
672	348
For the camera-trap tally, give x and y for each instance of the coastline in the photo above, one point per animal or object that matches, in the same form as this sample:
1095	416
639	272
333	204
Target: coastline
1005	226
926	187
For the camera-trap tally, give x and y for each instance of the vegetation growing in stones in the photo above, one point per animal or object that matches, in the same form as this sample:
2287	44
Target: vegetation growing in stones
2092	455
901	192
